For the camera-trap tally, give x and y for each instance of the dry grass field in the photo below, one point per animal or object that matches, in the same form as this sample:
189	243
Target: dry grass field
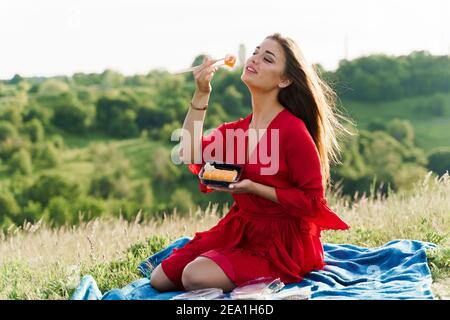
38	262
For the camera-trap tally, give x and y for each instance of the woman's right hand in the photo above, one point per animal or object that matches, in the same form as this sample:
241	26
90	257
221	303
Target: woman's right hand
204	74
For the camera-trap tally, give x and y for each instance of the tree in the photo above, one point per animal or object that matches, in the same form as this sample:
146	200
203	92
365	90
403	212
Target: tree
53	87
85	96
32	212
10	140
408	175
161	168
88	208
401	130
12	115
68	113
116	117
165	133
7	130
20	162
102	186
216	116
181	199
431	106
71	118
380	77
16	79
143	196
34	129
8	207
50	185
108	185
84	79
36	111
439	160
377	125
112	178
377	154
59	211
46	154
147	116
232	101
111	79
124	125
198	60
58	141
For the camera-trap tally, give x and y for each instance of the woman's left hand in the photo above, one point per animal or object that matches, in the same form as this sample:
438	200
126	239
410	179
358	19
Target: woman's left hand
243	186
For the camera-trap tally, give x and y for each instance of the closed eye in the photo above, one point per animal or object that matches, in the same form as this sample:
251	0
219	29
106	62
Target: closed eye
264	58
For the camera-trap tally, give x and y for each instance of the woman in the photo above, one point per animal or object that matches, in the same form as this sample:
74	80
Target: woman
273	227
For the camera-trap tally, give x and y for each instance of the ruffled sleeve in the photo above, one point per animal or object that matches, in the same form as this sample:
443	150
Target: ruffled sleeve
206	140
305	199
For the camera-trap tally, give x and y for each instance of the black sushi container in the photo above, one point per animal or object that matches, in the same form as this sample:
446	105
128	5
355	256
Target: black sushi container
221	166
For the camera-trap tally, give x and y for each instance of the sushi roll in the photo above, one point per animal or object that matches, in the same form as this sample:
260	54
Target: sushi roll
211	173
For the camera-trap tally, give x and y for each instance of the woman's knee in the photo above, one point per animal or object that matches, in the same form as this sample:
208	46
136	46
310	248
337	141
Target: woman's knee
160	281
191	277
204	273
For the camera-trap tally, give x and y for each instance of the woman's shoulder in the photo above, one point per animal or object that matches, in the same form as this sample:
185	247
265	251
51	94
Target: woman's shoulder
295	134
236	124
222	128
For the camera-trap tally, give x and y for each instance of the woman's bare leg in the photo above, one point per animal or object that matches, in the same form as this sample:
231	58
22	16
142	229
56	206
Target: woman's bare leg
160	281
205	273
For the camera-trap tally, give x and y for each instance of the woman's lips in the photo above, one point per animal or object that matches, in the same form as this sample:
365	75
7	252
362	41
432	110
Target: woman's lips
250	70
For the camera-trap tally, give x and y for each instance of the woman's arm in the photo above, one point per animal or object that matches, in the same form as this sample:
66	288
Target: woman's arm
191	138
249	186
264	191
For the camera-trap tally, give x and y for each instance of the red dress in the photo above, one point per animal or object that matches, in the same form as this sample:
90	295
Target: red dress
259	237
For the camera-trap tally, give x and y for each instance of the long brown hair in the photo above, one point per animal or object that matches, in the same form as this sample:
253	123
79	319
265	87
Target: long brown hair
312	100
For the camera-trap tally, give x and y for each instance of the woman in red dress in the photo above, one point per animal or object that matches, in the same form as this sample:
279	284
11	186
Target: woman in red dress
279	210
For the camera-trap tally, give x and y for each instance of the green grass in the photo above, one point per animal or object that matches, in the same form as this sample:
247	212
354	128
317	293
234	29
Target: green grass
439	262
76	160
59	284
432	134
140	154
77	141
118	273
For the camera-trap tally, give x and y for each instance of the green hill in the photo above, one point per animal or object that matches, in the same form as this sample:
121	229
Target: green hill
429	116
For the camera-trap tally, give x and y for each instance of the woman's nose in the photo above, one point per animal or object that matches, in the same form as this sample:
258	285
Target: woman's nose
254	59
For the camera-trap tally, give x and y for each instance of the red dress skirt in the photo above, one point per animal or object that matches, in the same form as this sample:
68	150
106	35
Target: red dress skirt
259	237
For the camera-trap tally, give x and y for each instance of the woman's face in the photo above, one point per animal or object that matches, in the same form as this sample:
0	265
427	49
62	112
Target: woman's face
263	70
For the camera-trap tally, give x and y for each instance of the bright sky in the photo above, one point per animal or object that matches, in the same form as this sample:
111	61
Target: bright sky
56	37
